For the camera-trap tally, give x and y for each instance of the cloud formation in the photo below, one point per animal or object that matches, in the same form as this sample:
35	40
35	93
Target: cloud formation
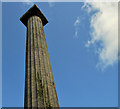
104	31
76	25
77	21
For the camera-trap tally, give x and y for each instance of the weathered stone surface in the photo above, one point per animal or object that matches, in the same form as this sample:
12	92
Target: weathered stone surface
39	83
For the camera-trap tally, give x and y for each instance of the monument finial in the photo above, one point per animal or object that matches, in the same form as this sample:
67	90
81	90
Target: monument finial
34	10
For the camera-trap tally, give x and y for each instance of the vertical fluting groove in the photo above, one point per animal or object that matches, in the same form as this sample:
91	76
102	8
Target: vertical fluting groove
55	98
40	100
30	32
51	77
49	81
30	98
33	84
40	60
35	60
36	57
26	74
43	69
42	64
50	92
55	93
46	79
51	88
29	66
46	68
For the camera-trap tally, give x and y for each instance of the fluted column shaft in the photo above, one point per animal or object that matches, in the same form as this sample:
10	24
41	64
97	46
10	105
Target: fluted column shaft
39	83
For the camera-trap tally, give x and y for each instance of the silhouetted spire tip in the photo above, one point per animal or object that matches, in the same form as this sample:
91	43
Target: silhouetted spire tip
33	11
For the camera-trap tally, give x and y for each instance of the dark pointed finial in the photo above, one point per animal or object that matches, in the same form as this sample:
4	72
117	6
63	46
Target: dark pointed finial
34	10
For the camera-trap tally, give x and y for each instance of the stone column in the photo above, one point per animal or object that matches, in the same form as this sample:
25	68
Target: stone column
39	83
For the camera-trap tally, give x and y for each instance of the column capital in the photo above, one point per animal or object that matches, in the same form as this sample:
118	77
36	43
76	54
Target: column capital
34	10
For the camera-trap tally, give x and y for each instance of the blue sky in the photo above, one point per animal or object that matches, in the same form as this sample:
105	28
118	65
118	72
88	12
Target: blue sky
83	78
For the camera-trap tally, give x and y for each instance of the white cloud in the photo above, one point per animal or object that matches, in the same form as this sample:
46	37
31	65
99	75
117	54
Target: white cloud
104	31
119	31
76	25
77	21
